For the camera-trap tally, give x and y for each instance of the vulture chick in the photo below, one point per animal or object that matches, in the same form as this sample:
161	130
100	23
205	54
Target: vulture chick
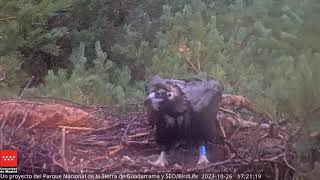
183	110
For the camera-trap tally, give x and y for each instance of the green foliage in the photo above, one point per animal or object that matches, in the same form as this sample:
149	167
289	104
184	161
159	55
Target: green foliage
133	47
268	51
183	48
93	85
24	34
89	20
10	75
26	23
10	70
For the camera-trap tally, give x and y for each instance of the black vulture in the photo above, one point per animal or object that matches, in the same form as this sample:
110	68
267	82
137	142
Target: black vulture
183	110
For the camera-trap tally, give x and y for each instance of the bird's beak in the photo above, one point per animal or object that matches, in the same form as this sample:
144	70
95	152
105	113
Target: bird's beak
151	99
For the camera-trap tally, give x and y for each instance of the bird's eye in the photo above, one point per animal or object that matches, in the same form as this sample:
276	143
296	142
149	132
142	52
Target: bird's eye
169	94
163	94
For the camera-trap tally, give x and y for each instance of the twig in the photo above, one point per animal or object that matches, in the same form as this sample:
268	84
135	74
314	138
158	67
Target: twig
191	64
314	110
31	157
287	163
25	116
35	125
75	128
94	143
78	105
115	150
272	159
103	128
144	142
286	174
12	133
231	147
230	112
285	158
273	133
118	106
238	128
85	97
263	137
55	161
221	129
141	130
120	145
21	123
21	102
139	135
198	58
63	143
19	97
276	171
7	18
269	116
26	87
39	122
126	131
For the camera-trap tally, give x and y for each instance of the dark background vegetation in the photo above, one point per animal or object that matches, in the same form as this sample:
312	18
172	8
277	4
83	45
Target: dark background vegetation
102	52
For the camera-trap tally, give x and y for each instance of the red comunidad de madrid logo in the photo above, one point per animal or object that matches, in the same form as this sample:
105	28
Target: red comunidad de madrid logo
8	158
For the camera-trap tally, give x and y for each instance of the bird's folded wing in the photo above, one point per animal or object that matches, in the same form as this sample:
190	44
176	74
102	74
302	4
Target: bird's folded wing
201	93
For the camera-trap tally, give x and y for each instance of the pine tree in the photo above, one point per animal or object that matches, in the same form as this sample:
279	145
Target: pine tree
104	83
25	37
23	24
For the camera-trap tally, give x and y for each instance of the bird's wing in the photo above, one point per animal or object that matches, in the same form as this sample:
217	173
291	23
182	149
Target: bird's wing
201	93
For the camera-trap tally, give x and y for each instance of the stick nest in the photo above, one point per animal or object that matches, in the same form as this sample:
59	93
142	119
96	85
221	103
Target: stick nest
56	136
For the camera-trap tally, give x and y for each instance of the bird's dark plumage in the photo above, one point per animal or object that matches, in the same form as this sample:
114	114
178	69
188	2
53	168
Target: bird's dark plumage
183	110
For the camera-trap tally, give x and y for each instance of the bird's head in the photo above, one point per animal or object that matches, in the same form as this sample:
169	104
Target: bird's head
162	95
